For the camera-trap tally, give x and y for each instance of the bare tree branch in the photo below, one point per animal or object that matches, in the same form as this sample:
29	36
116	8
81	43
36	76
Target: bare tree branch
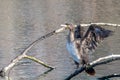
18	58
105	60
84	25
100	61
109	76
12	64
23	55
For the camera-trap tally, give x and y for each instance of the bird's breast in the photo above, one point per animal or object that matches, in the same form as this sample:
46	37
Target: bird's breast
73	51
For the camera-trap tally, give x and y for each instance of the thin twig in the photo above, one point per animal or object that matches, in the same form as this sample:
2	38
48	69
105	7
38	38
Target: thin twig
38	61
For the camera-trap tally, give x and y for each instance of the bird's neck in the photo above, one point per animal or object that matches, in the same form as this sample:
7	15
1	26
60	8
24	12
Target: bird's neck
71	37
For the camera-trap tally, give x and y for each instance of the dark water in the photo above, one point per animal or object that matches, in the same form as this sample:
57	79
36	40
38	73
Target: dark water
23	21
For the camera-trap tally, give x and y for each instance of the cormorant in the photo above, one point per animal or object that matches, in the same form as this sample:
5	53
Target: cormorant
81	43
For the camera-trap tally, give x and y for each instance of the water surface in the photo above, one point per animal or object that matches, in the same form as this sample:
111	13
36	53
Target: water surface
23	21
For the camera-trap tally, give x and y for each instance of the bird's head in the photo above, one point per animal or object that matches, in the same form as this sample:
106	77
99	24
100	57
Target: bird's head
70	26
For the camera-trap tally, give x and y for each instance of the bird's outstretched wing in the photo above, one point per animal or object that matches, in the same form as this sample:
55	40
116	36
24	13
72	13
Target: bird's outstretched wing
94	35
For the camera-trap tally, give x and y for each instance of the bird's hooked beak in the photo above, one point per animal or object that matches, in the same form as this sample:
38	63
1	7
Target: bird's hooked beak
68	26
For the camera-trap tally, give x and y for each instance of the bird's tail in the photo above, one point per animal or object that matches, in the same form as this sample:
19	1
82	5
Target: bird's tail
90	70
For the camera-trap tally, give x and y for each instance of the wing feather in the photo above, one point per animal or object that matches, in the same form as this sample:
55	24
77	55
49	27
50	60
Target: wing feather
94	35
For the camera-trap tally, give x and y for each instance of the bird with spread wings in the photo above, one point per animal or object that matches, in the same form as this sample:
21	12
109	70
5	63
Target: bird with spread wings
80	43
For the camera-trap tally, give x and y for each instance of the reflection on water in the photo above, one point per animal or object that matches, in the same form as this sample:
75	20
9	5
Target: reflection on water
23	21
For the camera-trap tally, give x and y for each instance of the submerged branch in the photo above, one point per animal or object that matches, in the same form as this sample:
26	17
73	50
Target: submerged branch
100	61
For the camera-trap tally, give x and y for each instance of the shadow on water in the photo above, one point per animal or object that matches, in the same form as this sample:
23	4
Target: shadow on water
23	21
